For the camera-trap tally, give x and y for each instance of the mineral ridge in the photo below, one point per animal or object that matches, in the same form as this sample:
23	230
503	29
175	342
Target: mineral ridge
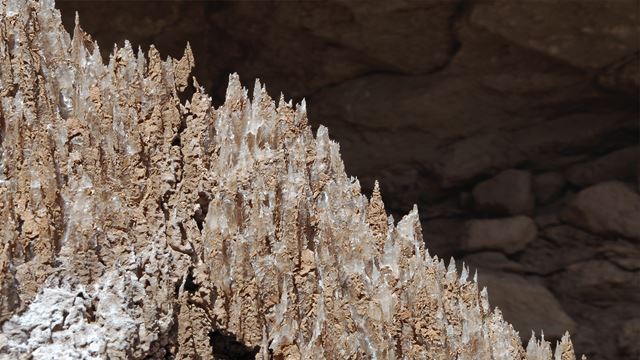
134	225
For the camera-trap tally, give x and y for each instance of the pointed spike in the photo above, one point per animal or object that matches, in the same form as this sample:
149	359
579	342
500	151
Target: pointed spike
464	274
303	106
376	190
452	266
257	90
188	53
484	300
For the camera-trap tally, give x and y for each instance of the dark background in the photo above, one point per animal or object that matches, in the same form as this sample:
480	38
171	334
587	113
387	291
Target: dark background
512	124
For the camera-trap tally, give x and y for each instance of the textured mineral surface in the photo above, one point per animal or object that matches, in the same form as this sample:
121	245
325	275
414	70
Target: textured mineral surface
136	225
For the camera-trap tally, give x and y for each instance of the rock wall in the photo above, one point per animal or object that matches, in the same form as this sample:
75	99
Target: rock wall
455	105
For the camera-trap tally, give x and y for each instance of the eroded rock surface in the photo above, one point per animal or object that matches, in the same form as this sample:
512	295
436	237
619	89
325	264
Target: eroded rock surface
139	226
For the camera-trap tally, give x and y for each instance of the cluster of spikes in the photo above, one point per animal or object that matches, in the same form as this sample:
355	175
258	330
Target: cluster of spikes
138	226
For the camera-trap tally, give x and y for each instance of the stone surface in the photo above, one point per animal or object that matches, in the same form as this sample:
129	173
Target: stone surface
506	234
629	339
508	193
547	187
623	76
516	295
559	246
138	225
623	253
600	281
618	165
475	156
607	208
542	26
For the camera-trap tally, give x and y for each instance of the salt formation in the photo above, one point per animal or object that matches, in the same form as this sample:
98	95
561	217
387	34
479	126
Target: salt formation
136	226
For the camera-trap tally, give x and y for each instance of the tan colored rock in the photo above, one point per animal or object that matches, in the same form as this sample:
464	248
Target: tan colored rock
506	234
138	226
607	208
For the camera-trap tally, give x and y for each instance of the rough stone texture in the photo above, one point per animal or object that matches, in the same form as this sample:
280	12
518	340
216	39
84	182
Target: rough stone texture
500	98
507	234
137	225
508	193
609	208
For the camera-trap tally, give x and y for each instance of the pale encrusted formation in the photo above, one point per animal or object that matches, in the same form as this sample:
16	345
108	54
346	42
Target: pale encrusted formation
136	226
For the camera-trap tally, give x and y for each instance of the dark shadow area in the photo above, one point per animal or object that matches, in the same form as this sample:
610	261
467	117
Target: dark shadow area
227	347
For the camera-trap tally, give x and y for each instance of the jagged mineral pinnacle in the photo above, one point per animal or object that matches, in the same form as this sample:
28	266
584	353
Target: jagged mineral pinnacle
137	226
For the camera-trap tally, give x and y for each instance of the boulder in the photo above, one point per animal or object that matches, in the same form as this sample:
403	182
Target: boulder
508	193
509	235
526	304
609	208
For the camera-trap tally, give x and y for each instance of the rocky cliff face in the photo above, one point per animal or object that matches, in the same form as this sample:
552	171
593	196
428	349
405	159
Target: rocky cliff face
512	124
139	226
